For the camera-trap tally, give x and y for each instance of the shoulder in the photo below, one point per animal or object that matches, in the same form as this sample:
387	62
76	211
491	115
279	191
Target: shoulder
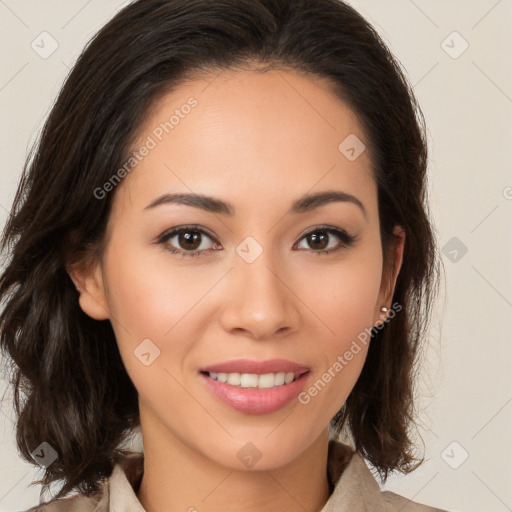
126	473
396	503
356	487
95	503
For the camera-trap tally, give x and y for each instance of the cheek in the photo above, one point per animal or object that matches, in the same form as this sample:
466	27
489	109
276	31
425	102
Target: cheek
342	350
149	300
148	295
344	296
343	302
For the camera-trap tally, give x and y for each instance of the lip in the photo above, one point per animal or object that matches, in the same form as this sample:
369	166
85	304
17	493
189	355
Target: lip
256	367
256	400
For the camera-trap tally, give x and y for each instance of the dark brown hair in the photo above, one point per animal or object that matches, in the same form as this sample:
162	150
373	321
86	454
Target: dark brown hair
71	387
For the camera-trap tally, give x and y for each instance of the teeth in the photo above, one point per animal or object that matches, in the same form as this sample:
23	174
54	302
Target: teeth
234	379
252	380
249	380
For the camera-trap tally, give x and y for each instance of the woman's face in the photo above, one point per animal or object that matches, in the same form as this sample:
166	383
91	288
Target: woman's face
259	285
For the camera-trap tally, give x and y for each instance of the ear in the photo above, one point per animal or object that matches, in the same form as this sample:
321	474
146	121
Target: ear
390	274
88	280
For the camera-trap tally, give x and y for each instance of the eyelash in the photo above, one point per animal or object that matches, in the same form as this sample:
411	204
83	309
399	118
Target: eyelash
346	239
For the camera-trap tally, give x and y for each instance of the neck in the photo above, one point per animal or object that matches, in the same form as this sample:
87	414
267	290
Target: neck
178	478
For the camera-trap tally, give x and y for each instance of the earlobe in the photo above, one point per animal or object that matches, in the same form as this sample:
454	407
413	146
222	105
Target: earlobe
390	273
90	286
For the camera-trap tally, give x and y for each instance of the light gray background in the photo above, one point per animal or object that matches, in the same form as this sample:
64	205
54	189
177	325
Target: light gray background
465	388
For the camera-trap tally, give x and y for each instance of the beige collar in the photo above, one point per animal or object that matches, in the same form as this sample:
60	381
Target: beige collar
355	488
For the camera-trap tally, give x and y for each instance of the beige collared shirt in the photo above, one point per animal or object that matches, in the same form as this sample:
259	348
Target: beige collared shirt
355	489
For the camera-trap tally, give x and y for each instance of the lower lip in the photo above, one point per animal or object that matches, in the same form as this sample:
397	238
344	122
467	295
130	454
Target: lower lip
255	400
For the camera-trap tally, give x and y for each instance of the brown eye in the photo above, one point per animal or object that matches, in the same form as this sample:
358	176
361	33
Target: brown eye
318	240
187	241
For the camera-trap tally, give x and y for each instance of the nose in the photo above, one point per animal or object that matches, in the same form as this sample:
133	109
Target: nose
259	300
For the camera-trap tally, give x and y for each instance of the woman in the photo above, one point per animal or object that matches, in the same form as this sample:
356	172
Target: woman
279	143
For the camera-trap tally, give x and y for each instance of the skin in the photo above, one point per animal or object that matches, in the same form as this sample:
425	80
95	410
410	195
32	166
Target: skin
259	141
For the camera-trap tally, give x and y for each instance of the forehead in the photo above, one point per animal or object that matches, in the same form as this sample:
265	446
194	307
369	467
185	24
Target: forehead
249	133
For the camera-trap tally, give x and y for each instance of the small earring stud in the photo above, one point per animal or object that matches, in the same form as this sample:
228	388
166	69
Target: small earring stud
384	309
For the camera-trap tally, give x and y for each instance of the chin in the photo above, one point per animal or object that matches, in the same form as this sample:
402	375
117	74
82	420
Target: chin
264	452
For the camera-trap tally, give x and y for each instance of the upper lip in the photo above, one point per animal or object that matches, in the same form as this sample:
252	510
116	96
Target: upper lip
256	367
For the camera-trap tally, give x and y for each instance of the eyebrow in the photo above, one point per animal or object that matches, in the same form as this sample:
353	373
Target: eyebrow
304	204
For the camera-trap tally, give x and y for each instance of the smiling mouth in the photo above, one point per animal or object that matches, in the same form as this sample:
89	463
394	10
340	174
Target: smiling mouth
253	380
255	387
